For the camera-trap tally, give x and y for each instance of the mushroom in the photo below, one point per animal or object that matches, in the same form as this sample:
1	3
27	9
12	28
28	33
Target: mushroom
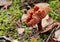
39	15
36	14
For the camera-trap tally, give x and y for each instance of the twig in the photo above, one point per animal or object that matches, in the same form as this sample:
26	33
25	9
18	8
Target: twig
52	33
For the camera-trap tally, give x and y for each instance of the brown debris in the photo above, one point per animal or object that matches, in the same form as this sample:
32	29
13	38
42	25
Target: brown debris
24	17
46	21
51	40
57	35
5	3
51	26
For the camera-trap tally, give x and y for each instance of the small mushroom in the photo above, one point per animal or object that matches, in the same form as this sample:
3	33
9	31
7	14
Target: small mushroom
36	14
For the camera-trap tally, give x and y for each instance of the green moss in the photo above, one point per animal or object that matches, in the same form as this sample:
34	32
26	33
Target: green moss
40	40
8	19
55	10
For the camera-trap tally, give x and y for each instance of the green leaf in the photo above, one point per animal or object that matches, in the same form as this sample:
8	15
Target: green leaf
39	40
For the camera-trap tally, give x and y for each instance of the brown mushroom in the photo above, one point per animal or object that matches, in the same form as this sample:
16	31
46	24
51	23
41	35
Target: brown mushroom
39	15
36	14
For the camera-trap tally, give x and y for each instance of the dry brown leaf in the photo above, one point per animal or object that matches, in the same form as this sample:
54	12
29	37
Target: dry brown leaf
5	3
46	21
36	14
14	41
51	26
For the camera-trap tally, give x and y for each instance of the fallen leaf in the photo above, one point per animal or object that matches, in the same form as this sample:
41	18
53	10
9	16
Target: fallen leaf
14	41
46	21
24	17
57	35
20	30
5	3
51	26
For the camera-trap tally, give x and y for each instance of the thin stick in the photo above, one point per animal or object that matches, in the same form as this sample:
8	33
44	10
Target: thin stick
51	33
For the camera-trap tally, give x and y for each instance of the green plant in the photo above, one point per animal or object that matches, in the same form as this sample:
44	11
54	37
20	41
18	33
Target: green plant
8	19
54	10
